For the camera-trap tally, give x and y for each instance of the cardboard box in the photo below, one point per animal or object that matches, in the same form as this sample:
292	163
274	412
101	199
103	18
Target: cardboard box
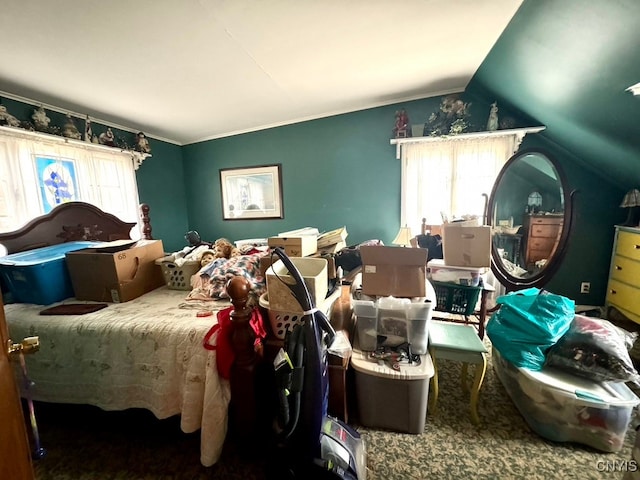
295	246
267	260
314	275
103	275
467	246
393	271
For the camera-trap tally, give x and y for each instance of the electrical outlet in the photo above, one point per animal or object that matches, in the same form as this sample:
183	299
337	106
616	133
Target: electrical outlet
585	287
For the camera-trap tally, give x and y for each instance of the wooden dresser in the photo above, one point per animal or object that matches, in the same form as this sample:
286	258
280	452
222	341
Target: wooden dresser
623	290
542	233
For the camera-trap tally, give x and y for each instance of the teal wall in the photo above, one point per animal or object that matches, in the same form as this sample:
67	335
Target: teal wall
336	171
161	185
342	170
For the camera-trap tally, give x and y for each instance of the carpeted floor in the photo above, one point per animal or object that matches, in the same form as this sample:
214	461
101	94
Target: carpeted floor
85	443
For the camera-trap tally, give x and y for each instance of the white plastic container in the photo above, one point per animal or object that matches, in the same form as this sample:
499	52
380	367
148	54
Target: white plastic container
566	408
392	320
418	317
392	399
366	312
469	276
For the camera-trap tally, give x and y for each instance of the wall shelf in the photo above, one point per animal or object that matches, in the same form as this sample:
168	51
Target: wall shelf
519	133
16	132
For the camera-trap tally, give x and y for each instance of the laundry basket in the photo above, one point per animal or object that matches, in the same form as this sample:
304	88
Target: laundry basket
178	277
453	298
283	322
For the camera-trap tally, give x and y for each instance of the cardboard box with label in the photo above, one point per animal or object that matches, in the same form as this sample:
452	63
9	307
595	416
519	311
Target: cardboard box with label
295	246
116	273
393	271
466	246
267	260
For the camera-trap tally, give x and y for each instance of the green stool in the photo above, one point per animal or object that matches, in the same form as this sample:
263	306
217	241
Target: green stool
458	342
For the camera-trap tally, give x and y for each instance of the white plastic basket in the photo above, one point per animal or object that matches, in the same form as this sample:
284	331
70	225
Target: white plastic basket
178	277
283	322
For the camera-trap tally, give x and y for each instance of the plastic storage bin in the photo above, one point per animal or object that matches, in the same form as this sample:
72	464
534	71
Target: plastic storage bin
366	312
392	399
40	276
565	408
470	276
178	277
392	320
398	320
452	298
419	316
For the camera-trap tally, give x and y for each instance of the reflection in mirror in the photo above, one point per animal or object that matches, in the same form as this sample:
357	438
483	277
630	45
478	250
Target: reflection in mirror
530	218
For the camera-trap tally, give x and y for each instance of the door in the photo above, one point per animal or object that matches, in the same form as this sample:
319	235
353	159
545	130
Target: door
15	455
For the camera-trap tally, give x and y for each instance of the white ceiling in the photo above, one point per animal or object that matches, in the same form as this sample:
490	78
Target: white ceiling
191	70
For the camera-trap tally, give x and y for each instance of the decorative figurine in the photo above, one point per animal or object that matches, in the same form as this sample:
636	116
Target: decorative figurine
40	119
7	119
492	123
142	144
107	138
402	123
450	119
88	133
70	130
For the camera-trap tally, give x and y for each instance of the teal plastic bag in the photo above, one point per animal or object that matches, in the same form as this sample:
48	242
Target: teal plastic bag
528	323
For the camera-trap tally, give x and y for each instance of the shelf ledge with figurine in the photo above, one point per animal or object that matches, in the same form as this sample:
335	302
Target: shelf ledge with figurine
518	132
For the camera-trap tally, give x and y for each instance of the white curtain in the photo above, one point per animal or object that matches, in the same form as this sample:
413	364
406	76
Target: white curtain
103	178
447	177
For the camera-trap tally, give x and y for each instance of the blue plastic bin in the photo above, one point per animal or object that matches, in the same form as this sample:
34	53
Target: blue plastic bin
40	275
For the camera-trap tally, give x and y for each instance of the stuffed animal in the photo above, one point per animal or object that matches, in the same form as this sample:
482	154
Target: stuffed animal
225	249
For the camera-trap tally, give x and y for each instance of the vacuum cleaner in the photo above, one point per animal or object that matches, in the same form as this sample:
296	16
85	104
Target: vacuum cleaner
310	444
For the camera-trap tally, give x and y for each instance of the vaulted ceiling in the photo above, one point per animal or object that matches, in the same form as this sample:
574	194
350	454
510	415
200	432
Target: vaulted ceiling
568	64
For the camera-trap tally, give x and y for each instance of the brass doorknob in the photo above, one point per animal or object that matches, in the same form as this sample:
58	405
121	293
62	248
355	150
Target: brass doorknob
28	345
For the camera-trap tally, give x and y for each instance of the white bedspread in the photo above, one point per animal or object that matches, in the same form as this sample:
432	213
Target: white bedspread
146	353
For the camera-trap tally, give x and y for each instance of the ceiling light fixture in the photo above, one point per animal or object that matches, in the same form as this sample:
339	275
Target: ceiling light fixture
635	89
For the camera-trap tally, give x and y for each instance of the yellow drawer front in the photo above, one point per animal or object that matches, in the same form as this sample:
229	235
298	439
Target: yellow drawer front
626	270
628	245
626	298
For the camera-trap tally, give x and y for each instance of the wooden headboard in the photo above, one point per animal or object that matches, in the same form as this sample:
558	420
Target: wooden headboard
72	221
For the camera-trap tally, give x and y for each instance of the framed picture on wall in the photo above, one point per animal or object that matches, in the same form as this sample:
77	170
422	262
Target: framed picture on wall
251	193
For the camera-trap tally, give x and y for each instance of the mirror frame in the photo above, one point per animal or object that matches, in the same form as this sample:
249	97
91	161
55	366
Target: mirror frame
511	282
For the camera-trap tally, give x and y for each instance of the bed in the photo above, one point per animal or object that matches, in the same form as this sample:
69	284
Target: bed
146	353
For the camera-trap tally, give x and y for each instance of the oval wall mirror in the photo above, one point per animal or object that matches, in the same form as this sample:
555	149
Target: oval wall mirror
530	211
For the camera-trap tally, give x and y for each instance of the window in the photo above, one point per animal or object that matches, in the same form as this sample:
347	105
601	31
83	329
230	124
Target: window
37	173
447	176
